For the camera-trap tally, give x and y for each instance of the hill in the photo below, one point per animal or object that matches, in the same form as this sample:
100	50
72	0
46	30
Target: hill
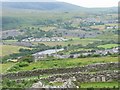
54	6
17	14
42	6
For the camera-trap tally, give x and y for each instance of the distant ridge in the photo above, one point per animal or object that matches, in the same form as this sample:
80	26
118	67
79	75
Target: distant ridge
41	5
54	6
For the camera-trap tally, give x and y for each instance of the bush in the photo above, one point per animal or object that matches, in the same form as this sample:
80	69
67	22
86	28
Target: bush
79	63
34	68
28	58
14	85
95	55
23	64
16	67
55	64
82	56
24	50
71	56
114	55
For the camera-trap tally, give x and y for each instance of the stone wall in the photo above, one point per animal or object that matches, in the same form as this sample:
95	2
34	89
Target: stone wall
87	68
70	80
104	76
66	84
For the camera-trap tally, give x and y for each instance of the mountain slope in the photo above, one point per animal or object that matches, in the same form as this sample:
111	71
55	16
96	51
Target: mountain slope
42	6
55	6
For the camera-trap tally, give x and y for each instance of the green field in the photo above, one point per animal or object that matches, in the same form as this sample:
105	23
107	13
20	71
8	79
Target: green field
74	50
108	36
63	63
5	67
9	41
106	46
9	49
102	27
99	85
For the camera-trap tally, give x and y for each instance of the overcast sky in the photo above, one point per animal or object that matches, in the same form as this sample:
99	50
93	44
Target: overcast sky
84	3
93	3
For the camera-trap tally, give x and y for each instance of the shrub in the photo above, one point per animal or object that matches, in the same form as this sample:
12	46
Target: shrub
14	68
82	56
23	64
71	56
33	68
55	64
79	63
96	55
114	55
28	58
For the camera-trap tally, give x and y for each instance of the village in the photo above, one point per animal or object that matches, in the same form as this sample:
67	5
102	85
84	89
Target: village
44	54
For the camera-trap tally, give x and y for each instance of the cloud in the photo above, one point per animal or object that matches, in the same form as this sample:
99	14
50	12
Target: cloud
93	3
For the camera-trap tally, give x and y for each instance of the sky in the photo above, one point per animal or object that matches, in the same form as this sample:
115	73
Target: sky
93	3
84	3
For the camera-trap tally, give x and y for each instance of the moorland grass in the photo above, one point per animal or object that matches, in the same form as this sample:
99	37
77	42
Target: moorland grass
99	85
64	63
107	46
4	67
10	49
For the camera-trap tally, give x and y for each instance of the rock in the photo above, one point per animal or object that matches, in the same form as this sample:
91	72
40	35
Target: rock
59	80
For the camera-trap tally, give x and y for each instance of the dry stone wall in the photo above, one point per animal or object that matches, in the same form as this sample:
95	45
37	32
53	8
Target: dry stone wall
88	68
88	77
69	80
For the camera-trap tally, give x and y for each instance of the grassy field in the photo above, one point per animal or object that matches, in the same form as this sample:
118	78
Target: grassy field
74	50
9	49
6	66
99	85
10	41
102	27
108	37
47	28
67	63
106	46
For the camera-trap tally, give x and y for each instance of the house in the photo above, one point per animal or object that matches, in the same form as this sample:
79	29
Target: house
39	57
111	27
45	39
105	52
12	60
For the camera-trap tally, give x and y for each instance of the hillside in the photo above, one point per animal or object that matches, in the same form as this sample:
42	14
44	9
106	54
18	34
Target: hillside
17	14
41	6
54	6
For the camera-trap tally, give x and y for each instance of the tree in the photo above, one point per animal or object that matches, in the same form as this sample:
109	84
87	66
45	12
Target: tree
32	28
71	56
10	38
28	58
69	45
